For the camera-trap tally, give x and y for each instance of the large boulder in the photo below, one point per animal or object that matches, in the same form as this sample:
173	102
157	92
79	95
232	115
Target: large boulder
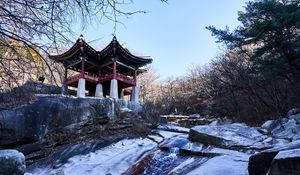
228	136
286	162
259	164
12	162
29	123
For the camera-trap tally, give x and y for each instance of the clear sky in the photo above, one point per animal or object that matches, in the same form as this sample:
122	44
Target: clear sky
173	34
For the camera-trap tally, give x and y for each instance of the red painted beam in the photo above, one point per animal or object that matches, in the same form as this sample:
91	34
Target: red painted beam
102	79
73	79
125	79
91	79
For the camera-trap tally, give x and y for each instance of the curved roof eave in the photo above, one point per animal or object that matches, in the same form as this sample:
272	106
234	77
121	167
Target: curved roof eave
74	50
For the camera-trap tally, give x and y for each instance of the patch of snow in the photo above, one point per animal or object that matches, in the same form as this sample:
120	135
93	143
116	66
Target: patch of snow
156	138
182	165
214	123
267	124
292	145
232	153
173	128
290	131
225	164
168	134
175	116
125	110
288	154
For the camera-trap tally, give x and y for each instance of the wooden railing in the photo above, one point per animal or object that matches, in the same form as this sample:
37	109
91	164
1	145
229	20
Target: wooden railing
95	79
126	79
104	78
73	79
92	79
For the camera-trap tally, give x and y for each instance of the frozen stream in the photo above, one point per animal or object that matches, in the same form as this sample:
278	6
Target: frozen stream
144	156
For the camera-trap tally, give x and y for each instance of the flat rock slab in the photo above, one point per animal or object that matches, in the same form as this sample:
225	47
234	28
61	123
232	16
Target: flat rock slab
228	136
229	162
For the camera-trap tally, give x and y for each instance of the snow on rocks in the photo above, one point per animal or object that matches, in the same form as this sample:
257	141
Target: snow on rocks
283	128
12	162
228	136
290	131
173	128
113	159
229	162
286	162
168	134
174	142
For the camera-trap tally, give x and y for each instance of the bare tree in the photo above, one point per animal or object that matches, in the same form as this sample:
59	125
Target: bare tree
149	85
32	28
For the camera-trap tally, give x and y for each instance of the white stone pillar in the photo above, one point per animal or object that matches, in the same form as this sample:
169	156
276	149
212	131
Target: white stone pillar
99	90
135	94
81	88
114	89
122	94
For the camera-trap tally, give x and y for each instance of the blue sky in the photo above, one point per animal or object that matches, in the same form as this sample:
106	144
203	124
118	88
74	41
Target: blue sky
173	34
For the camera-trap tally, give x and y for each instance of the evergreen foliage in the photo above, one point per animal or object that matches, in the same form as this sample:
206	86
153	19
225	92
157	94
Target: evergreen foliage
272	27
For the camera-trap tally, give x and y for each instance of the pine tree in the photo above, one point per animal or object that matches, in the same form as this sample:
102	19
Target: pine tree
272	27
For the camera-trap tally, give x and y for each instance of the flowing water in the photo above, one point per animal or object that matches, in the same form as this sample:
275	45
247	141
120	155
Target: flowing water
163	162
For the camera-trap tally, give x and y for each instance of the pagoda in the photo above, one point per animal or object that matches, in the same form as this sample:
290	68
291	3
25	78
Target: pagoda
111	72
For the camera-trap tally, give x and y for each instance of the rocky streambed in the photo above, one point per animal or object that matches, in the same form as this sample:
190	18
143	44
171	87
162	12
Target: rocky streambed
234	149
123	145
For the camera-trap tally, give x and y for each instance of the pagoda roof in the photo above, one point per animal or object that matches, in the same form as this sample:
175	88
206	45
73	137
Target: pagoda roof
112	52
78	49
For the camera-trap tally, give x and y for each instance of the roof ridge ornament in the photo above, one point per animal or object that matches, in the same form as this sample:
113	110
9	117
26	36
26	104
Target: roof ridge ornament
114	41
81	40
81	37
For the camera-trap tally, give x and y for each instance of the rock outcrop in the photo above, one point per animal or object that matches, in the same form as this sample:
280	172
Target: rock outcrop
31	122
12	162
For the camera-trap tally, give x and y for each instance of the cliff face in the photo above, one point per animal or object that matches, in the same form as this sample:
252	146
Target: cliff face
31	122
